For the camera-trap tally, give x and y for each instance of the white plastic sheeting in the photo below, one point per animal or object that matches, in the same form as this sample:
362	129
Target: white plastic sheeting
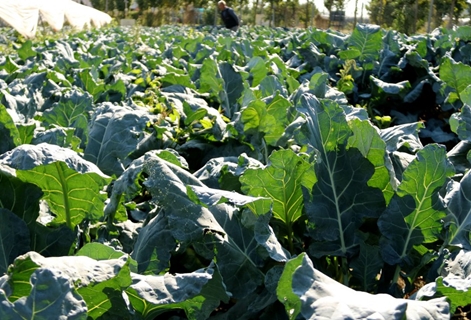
23	15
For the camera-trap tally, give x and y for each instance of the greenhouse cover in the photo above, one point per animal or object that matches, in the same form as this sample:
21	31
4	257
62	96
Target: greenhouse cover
24	15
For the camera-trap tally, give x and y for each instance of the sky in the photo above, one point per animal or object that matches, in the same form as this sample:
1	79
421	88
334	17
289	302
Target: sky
349	8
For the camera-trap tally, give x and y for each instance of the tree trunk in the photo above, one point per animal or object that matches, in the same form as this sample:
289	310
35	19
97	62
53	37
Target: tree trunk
416	9
355	14
430	11
452	12
255	9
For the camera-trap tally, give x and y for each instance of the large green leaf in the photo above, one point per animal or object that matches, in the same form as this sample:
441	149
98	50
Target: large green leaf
52	296
367	139
258	70
19	197
23	198
341	197
365	43
414	214
9	134
26	50
456	76
309	293
71	186
90	82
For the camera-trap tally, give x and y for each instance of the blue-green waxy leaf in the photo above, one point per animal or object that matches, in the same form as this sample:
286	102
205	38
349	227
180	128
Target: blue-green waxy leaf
405	136
99	283
237	237
454	282
197	293
308	293
72	110
382	91
167	184
414	214
270	86
71	186
14	238
458	220
460	123
223	82
239	255
115	132
341	197
52	296
224	172
366	267
62	137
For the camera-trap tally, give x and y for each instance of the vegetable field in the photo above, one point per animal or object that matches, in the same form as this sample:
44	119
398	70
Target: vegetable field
196	173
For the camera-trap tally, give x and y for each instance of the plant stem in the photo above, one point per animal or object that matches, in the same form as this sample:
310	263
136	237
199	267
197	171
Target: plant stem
344	267
290	238
396	274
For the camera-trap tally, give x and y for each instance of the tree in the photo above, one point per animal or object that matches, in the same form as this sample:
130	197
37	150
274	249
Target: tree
453	9
308	12
334	5
398	14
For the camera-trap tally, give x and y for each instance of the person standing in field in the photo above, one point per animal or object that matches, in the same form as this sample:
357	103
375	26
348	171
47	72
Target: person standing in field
230	19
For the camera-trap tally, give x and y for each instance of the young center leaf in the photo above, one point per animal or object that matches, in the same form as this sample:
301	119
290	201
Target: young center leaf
414	214
282	181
